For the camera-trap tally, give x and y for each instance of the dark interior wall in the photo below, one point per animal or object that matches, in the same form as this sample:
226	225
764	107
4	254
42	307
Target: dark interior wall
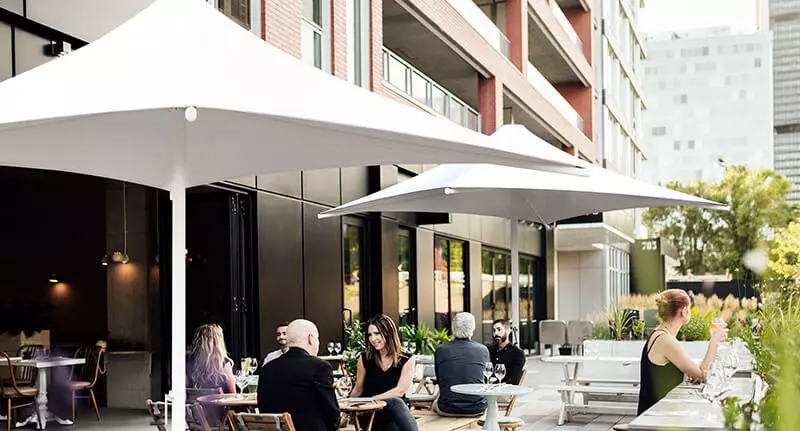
54	223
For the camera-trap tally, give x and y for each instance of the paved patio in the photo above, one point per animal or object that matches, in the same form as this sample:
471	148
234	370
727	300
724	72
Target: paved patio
539	409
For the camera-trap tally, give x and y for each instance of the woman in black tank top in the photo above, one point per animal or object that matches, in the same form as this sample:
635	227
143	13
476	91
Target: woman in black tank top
385	373
664	362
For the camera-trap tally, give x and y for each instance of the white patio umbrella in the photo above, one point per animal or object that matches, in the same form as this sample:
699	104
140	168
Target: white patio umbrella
517	194
180	96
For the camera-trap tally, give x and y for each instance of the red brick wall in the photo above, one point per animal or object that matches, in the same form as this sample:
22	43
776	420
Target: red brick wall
581	100
490	104
517	32
581	21
282	24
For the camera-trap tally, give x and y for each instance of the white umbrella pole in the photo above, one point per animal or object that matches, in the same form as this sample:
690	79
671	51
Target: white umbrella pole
515	278
178	299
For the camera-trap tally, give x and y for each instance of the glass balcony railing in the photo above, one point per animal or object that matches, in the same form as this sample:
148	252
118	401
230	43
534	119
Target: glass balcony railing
473	14
414	84
564	22
546	89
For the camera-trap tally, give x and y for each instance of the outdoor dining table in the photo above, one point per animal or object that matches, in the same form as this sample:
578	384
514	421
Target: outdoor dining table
42	364
685	409
491	393
352	407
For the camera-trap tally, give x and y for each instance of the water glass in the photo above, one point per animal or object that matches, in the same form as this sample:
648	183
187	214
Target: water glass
331	347
338	347
345	385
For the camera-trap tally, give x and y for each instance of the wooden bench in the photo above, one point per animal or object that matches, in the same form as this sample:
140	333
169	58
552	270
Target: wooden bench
606	399
438	423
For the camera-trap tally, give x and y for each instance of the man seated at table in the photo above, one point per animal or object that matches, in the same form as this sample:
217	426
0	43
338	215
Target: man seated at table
299	383
506	353
280	338
459	362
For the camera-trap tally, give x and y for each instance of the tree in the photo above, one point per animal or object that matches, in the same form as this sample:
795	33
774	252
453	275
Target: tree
784	254
717	241
692	232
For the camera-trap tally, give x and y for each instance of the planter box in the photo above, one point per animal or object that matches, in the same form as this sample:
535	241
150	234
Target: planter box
11	343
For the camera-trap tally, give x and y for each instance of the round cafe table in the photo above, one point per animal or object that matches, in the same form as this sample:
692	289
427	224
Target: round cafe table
355	409
491	393
231	401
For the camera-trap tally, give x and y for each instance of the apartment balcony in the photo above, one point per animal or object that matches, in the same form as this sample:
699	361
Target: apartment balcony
546	89
473	14
418	88
583	4
555	47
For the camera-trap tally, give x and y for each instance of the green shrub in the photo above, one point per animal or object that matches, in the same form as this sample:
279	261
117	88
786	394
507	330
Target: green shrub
699	326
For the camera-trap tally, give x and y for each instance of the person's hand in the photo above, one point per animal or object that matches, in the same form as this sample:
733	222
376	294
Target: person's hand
719	335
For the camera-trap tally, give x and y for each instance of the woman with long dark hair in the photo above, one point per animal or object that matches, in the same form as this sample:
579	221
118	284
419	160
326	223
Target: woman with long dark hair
385	372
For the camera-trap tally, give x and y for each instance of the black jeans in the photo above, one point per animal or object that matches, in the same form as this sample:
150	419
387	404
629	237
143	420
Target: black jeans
394	417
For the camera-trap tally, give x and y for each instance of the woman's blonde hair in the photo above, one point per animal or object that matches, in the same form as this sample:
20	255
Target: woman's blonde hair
208	356
670	302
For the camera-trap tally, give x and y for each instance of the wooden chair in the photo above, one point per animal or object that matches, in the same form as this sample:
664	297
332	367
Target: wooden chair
156	411
268	422
196	418
95	366
507	407
26	376
15	396
82	353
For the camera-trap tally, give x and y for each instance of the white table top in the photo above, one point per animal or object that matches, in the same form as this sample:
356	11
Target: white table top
683	408
502	390
576	359
50	362
423	359
14	359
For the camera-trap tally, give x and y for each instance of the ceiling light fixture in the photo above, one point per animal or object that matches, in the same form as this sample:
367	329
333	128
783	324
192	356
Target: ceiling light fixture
120	256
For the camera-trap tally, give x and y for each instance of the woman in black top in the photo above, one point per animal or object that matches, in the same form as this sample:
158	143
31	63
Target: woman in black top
664	362
385	373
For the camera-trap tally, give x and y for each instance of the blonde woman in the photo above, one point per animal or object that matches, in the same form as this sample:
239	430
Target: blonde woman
208	365
664	362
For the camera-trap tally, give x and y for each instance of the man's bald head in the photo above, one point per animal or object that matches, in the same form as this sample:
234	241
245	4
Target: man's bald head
303	334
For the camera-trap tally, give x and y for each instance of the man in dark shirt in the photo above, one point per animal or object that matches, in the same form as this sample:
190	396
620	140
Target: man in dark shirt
506	353
299	383
460	361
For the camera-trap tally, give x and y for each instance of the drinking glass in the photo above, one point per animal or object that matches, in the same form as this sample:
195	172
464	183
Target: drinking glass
331	347
500	372
253	366
412	348
338	347
488	370
345	385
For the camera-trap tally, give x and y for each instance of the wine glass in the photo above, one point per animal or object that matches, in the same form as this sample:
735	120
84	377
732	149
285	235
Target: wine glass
331	347
338	348
345	385
488	370
500	372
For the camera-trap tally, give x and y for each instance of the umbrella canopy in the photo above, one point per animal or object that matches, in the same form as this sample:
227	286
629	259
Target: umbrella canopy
518	194
180	96
115	109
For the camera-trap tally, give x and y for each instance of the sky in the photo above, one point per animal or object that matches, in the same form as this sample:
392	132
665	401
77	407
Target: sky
670	15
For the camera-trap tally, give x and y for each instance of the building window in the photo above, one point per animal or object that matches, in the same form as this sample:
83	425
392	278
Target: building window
495	289
619	274
359	39
311	32
676	145
406	277
451	291
353	254
659	131
237	10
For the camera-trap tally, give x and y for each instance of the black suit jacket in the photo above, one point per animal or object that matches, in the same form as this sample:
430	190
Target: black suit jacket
301	385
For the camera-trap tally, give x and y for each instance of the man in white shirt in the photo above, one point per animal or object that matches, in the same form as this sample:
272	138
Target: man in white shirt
280	338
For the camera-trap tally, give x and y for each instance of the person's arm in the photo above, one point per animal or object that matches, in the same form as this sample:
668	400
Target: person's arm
230	379
360	374
675	354
326	404
406	378
514	374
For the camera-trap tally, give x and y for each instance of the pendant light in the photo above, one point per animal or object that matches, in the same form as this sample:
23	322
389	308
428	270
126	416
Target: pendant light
121	256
